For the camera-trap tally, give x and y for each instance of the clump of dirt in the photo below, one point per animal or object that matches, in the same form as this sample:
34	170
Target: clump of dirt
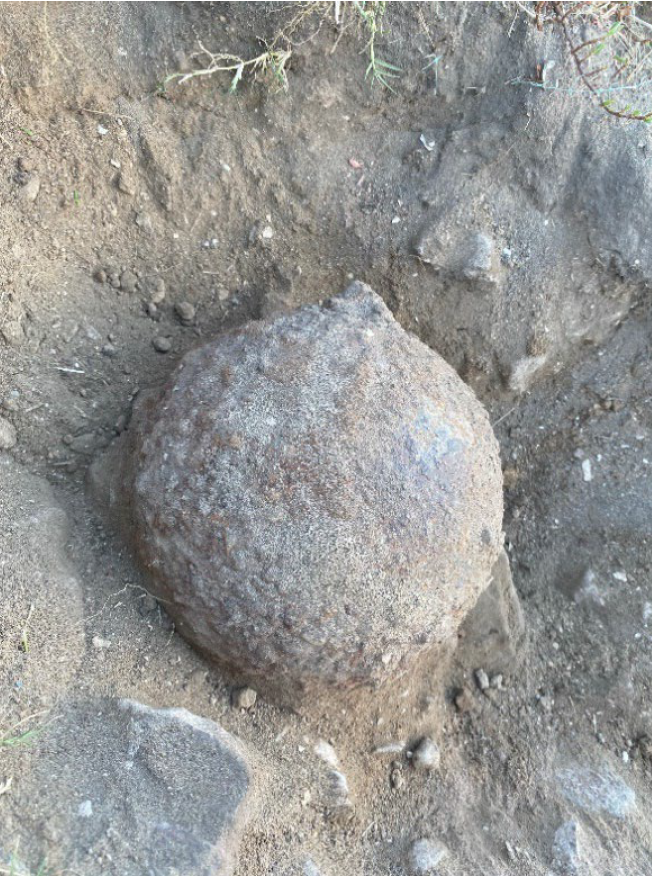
506	226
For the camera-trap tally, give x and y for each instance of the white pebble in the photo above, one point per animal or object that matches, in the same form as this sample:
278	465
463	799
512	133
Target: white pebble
100	643
85	809
426	756
425	856
587	474
327	753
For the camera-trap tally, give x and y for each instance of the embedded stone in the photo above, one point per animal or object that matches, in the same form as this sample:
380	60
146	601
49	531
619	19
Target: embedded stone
317	498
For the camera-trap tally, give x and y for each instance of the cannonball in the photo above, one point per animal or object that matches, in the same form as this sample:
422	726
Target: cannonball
316	498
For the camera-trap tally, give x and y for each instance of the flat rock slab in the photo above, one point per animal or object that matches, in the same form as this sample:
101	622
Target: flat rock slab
120	789
597	790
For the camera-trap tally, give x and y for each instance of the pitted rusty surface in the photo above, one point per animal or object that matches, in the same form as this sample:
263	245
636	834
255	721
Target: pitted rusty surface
317	498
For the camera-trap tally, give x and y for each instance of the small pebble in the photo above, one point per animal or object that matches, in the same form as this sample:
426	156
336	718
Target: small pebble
338	793
152	311
85	809
109	350
84	443
389	748
157	291
425	856
327	753
100	275
566	848
162	345
396	779
244	698
128	281
100	643
497	681
426	756
587	474
482	679
185	311
7	434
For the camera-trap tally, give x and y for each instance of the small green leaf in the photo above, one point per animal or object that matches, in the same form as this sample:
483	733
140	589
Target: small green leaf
388	66
237	76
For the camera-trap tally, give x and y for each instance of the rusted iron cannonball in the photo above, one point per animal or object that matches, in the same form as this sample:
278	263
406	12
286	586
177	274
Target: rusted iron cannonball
317	498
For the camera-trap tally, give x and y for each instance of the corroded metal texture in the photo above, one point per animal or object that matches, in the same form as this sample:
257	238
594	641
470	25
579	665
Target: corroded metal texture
317	498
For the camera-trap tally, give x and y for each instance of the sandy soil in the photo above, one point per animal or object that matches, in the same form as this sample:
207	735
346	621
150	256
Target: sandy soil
119	203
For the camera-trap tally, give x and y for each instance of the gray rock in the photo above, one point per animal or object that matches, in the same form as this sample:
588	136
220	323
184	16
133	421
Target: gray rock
12	332
426	756
157	290
425	856
338	795
244	698
597	790
316	498
478	257
185	312
8	436
566	849
128	281
466	257
482	679
162	344
134	790
493	633
85	443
